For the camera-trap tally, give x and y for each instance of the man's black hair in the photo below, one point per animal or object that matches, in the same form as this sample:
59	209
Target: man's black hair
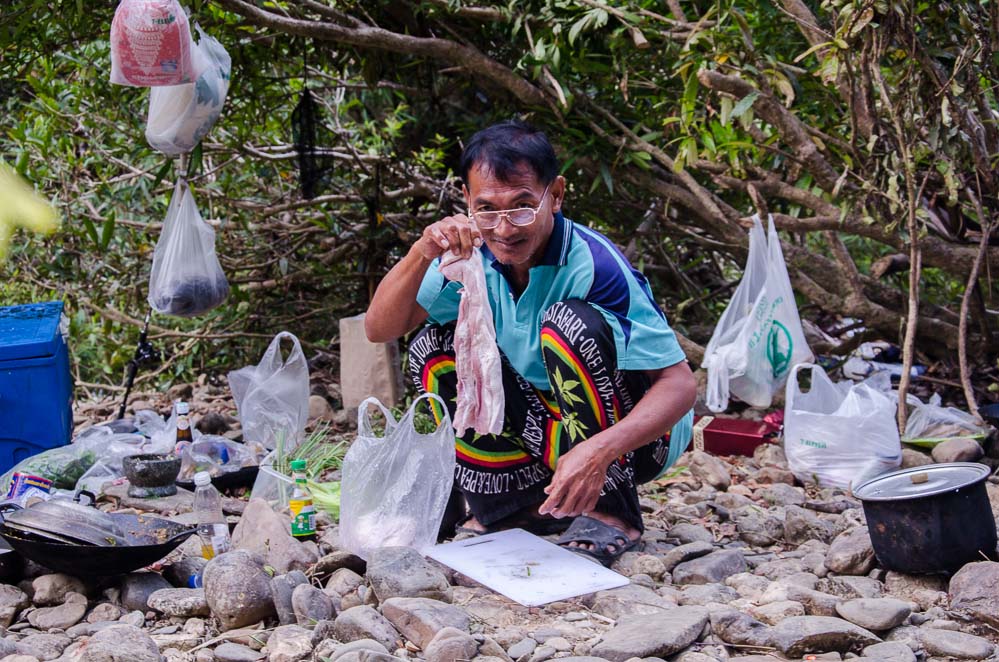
505	148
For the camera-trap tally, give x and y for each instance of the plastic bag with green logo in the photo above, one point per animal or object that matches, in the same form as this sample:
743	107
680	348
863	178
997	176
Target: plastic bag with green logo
759	336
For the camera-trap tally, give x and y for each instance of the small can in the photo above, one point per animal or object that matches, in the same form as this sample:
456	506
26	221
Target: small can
25	487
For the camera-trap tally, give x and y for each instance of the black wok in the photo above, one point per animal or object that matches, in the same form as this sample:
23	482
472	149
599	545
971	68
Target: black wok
147	540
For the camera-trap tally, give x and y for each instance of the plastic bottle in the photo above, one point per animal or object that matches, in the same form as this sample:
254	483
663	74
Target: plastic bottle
184	435
212	527
303	513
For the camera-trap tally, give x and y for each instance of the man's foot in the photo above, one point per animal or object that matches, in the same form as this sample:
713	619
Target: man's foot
528	519
600	536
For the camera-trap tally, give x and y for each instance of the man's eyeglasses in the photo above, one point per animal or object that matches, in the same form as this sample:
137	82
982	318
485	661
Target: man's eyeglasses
487	220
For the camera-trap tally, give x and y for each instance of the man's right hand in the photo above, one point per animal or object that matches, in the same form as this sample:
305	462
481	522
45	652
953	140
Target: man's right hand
453	233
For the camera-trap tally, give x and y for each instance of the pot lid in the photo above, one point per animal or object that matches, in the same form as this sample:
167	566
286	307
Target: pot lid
923	481
64	520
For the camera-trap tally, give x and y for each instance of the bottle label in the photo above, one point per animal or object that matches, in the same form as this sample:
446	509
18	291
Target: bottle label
183	423
215	541
303	517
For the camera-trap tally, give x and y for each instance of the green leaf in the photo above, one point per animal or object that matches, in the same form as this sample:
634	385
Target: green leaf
608	179
107	231
162	172
88	225
194	165
745	103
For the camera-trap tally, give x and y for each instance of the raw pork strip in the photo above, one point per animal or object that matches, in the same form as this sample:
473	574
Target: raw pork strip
477	360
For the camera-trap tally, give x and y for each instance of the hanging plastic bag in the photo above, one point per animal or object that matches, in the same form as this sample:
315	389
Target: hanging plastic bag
273	396
394	487
759	336
187	279
929	424
150	44
839	434
181	115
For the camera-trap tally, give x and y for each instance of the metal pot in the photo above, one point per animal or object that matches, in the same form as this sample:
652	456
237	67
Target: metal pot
929	519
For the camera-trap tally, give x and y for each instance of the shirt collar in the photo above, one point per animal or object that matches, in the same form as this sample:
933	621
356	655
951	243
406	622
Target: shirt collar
556	252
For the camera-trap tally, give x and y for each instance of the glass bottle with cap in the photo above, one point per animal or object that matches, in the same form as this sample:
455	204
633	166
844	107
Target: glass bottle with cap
212	527
303	512
184	435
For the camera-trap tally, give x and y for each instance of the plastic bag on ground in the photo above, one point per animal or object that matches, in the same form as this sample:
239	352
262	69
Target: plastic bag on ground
181	115
273	396
394	487
929	424
186	279
216	455
150	44
839	434
759	336
480	403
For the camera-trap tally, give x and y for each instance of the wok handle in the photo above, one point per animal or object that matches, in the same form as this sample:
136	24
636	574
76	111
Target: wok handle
8	507
186	533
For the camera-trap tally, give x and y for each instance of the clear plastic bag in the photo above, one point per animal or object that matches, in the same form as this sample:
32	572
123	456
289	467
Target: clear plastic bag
929	424
186	279
273	396
395	487
150	44
759	336
838	435
181	115
216	455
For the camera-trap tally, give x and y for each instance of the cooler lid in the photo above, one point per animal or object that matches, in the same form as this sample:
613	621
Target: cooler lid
29	331
923	481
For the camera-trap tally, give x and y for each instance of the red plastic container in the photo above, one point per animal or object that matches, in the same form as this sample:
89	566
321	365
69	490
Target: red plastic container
730	436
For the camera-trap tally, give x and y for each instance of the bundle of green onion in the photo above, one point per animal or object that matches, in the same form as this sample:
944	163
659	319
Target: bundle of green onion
320	451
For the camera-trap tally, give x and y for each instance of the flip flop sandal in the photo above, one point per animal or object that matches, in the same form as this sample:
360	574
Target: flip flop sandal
602	536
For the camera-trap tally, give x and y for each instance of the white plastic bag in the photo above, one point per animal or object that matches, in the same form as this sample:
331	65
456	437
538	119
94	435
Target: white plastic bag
150	44
759	336
839	435
186	279
929	424
273	396
181	115
394	488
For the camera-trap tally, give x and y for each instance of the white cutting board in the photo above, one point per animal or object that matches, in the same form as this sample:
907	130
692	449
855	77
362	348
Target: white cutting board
526	568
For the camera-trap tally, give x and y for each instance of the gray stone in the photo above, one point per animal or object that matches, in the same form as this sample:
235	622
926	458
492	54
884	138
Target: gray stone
947	643
710	569
913	458
343	581
849	587
282	589
652	635
647	564
12	601
361	645
7	648
974	590
522	648
542	653
21	658
748	585
925	590
711	470
289	643
958	450
775	612
135	618
851	553
44	646
736	628
121	643
451	645
264	532
758	527
702	594
770	455
181	602
686	552
875	614
800	635
419	619
311	605
801	525
136	588
402	572
774	475
65	615
781	494
815	603
105	611
237	589
363	622
890	651
50	590
688	533
230	652
627	600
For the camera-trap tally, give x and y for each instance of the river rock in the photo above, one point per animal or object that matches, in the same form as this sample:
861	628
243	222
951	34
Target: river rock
342	582
703	594
181	602
105	611
686	552
627	600
875	614
711	470
289	643
889	651
264	532
925	590
775	612
947	643
136	587
686	532
800	635
419	619
758	527
230	652
65	615
363	622
402	572
237	589
851	553
121	643
49	590
736	628
974	590
44	646
781	494
451	645
12	601
958	450
710	569
849	587
801	525
311	605
652	635
282	590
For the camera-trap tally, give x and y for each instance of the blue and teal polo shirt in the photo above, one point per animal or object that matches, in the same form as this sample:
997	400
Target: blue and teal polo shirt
578	263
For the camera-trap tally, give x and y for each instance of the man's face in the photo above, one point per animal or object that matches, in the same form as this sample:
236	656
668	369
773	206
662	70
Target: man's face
515	246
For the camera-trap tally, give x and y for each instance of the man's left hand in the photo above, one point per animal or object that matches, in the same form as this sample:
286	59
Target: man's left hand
579	477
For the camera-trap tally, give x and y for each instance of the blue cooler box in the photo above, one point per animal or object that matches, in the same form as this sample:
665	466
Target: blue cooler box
36	389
